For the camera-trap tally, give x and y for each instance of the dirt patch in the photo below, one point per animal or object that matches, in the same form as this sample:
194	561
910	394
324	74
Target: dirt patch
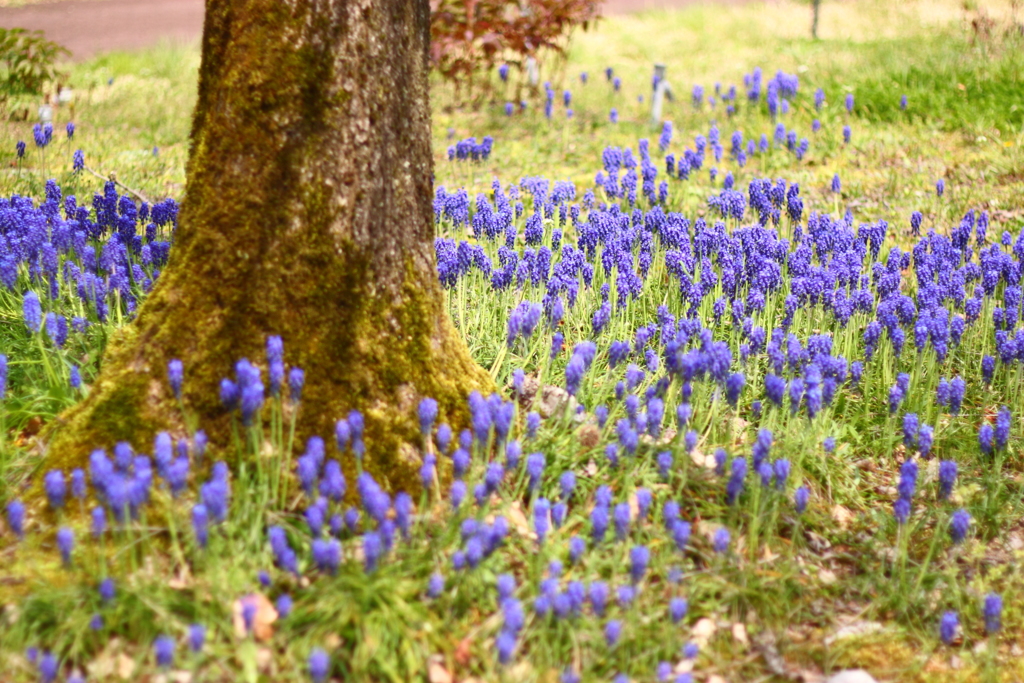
89	27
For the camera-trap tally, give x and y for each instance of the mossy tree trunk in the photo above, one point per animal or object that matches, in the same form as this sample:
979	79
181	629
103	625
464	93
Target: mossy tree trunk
307	214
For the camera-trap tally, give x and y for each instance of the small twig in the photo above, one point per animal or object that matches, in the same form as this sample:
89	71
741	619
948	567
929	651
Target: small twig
113	178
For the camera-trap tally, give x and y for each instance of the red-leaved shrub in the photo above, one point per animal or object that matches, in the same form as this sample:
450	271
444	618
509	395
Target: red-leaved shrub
471	36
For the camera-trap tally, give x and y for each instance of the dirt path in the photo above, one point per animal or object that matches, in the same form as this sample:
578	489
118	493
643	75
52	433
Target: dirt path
88	27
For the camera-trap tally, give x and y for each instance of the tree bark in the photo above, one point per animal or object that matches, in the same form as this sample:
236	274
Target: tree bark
307	214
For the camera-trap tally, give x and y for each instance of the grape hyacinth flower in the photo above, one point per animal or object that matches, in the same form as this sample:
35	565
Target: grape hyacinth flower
721	540
639	557
196	637
48	667
733	387
327	555
1002	430
957	388
612	631
577	546
910	431
435	586
621	517
200	524
55	488
925	437
65	543
33	311
296	379
505	643
959	525
163	646
985	438
319	665
735	486
541	509
993	611
107	590
947	477
99	521
625	596
677	609
948	627
940	187
175	377
782	469
427	415
800	499
908	480
901	510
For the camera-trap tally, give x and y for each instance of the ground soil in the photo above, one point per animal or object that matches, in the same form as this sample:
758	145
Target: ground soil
88	27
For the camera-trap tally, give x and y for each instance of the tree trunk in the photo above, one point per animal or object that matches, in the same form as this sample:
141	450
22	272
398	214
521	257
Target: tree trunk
815	8
308	214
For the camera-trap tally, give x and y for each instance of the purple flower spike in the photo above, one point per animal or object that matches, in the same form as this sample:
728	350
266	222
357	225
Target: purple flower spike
196	637
175	377
721	540
163	647
319	665
948	627
427	415
65	543
993	613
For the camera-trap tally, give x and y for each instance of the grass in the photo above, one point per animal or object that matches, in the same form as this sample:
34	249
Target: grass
788	582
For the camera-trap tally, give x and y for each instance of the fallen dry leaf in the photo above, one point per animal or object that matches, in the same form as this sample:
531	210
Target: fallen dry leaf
262	622
853	629
125	666
264	658
462	651
589	436
436	670
842	515
702	631
683	666
518	519
182	578
634	507
523	671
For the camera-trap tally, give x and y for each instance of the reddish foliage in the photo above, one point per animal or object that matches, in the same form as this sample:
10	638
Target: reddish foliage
469	36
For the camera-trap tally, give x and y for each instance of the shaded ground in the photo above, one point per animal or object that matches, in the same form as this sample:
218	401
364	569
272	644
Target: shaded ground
87	27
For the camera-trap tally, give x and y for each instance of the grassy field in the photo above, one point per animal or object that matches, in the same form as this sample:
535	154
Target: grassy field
880	571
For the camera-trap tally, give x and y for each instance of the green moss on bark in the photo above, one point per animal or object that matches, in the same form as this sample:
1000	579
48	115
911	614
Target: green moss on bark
308	214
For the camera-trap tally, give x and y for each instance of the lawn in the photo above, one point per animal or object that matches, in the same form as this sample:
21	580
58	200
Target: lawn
761	414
